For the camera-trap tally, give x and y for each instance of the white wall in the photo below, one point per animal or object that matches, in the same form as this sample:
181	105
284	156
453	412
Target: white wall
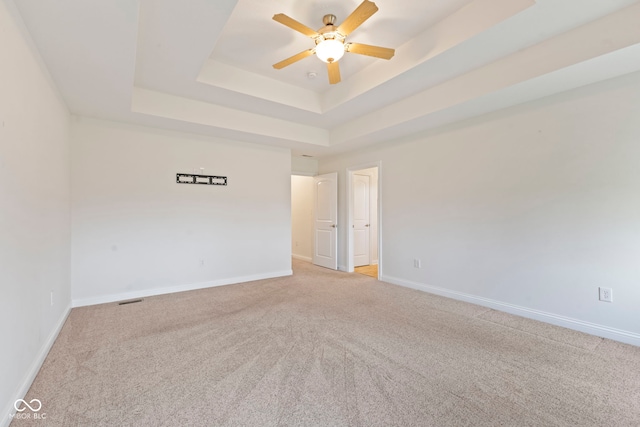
528	210
137	232
34	211
302	217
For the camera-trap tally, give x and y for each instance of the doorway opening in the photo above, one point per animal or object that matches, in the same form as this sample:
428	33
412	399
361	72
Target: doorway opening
314	219
302	217
363	192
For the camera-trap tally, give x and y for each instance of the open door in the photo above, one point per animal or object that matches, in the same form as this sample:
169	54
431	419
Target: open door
361	223
325	232
364	239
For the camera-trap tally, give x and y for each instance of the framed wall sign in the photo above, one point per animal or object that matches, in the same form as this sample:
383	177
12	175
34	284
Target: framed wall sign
189	178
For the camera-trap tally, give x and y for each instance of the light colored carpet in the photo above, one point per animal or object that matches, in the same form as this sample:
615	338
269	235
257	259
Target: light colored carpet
324	348
368	270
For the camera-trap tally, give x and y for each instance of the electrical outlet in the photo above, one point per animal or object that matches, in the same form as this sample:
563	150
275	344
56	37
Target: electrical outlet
201	263
606	294
417	263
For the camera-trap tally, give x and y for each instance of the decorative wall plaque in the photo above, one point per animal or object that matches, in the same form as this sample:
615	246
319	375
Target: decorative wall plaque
189	178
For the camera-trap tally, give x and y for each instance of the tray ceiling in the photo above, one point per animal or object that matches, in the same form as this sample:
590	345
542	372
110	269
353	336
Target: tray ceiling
205	67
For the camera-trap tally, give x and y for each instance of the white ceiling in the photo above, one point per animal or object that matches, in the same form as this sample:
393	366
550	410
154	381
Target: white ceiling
204	66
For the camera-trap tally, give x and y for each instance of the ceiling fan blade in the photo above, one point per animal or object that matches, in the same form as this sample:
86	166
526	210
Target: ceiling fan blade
294	58
295	25
365	49
357	17
334	72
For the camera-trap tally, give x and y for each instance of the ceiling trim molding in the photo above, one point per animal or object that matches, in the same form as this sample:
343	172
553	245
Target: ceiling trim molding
225	76
160	104
606	35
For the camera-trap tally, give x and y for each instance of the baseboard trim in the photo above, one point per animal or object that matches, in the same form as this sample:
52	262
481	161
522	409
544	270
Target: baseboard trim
301	257
25	385
103	299
554	319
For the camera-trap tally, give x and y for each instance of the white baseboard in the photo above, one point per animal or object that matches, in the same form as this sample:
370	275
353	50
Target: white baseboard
10	410
301	257
103	299
374	262
554	319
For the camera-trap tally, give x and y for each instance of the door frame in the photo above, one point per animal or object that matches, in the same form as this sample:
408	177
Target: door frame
350	172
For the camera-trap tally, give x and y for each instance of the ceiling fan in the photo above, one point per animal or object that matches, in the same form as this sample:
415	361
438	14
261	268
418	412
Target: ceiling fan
330	40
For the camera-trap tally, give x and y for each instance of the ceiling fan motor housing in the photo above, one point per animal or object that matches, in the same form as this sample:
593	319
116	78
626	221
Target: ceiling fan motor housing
329	19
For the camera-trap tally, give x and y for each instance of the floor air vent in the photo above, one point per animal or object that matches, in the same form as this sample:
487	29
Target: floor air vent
129	302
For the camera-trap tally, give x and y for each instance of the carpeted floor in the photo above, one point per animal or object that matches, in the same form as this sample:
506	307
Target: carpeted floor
324	348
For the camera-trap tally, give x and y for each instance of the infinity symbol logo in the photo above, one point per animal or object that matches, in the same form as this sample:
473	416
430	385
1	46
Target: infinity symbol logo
17	404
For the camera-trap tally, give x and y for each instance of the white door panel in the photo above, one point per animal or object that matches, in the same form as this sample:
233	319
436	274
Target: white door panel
324	239
359	247
325	194
361	225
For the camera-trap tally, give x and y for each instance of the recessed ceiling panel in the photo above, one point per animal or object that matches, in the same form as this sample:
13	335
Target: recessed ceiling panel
253	41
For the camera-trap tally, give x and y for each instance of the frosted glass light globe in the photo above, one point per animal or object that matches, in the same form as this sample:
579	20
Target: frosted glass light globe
330	50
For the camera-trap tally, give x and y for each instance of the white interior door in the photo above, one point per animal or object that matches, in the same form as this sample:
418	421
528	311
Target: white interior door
325	232
361	223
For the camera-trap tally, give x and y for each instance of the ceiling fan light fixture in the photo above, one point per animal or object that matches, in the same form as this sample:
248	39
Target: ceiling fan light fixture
330	50
330	40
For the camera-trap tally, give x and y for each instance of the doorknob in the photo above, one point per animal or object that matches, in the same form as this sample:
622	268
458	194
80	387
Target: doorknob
333	225
366	225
